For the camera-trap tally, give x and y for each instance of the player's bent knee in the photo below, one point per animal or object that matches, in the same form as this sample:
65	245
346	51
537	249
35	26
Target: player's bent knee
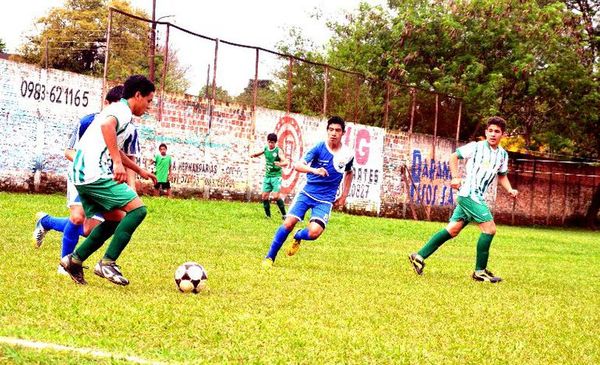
290	222
77	218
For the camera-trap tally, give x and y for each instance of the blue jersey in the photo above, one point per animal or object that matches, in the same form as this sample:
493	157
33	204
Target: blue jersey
324	188
80	129
131	146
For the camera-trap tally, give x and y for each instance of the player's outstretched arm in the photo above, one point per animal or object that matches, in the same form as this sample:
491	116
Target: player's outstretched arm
257	154
130	164
505	183
453	162
346	184
302	166
282	162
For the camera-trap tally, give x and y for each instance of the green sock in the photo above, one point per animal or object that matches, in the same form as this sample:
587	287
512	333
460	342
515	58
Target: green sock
281	206
434	243
483	250
267	206
123	233
95	240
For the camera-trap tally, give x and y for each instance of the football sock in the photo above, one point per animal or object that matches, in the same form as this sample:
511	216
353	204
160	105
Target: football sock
123	233
70	237
57	224
267	206
483	250
434	243
280	236
303	235
281	206
95	240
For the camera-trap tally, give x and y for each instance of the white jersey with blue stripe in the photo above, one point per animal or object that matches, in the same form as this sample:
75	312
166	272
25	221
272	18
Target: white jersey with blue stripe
483	164
92	160
324	188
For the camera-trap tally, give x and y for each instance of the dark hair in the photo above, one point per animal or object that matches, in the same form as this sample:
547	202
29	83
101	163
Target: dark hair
496	121
113	95
337	120
137	83
162	145
272	137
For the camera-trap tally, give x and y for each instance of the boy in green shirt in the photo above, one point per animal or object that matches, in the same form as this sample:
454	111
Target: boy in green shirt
162	165
272	181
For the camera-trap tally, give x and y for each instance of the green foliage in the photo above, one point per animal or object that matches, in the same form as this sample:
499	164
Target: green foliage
74	37
266	96
2	45
220	93
528	61
349	297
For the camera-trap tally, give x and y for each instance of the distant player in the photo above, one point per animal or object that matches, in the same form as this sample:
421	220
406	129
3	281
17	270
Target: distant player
326	164
162	170
485	160
272	181
76	224
99	175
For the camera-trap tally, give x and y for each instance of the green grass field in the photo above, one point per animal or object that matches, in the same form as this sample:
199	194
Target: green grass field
349	297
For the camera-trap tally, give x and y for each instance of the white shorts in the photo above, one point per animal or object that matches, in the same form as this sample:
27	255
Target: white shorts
73	199
72	195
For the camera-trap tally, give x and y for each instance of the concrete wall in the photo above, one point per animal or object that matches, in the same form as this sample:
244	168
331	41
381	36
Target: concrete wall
396	174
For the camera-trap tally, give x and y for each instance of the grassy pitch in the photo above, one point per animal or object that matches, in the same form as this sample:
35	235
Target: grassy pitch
350	297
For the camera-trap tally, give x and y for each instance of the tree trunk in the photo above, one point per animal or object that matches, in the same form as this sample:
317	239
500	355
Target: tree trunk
592	212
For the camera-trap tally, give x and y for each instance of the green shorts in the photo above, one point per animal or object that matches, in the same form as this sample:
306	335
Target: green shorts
104	195
271	184
468	210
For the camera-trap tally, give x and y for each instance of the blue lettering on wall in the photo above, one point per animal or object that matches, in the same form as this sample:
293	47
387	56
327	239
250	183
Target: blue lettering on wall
431	181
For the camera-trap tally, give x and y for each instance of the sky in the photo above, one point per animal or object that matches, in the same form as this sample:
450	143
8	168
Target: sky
260	23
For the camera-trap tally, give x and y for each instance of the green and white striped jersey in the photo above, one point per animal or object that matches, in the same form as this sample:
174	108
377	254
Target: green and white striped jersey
482	166
92	160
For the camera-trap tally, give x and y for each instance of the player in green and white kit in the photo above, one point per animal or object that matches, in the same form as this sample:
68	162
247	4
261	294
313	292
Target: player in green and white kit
272	181
485	160
99	175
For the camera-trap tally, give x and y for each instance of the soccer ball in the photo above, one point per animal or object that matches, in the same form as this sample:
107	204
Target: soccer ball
190	277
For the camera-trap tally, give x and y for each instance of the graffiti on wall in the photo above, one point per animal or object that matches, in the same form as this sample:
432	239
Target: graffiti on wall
430	181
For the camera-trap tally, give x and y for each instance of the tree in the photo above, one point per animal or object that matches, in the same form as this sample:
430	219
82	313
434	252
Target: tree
2	46
266	96
220	94
520	59
73	38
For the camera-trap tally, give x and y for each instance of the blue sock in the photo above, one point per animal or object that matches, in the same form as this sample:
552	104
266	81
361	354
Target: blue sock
57	224
303	235
70	238
280	236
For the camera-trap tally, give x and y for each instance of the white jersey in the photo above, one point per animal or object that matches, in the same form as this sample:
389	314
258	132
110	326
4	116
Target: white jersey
92	160
483	164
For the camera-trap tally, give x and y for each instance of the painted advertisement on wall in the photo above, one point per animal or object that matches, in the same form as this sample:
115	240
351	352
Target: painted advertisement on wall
38	110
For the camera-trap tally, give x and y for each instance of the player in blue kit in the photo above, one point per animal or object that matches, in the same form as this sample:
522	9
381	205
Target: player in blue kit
326	165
